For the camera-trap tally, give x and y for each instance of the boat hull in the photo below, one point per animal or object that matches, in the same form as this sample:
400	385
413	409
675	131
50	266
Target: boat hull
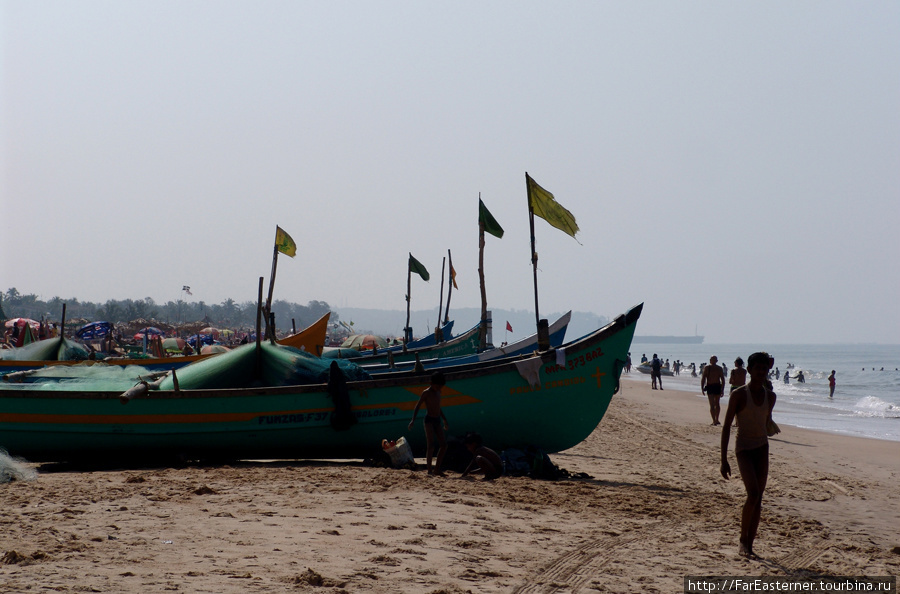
538	401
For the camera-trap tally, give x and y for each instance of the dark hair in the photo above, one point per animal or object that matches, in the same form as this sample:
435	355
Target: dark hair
473	438
761	357
739	362
437	378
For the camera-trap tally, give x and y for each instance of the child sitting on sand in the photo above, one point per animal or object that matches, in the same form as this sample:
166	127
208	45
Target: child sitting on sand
487	460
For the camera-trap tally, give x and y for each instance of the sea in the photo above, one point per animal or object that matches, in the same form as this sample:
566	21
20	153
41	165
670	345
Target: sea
866	400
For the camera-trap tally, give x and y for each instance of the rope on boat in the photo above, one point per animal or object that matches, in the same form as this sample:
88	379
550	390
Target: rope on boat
618	366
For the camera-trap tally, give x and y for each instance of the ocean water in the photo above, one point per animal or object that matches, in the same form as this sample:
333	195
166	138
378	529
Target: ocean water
866	399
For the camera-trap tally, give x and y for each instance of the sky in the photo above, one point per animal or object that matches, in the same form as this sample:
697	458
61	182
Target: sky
733	166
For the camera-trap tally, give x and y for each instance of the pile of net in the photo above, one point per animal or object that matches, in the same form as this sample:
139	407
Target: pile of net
273	365
52	349
14	469
95	377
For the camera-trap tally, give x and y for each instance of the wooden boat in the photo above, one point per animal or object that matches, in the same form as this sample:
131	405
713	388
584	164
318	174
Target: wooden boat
545	401
311	339
465	344
526	346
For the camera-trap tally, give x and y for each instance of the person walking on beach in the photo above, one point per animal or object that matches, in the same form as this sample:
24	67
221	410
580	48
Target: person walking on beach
738	375
656	372
752	406
712	383
831	382
431	398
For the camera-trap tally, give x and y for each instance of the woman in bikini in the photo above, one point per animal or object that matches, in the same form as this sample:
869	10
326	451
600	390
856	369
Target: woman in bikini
738	375
752	406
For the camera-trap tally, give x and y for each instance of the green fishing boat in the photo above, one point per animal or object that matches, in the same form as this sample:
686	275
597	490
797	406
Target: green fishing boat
552	400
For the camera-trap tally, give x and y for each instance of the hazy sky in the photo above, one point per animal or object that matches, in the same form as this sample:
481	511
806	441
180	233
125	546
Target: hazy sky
734	166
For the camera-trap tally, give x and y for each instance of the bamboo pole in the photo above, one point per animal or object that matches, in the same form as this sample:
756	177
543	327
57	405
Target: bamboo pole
406	331
482	329
259	328
438	333
272	281
534	261
449	289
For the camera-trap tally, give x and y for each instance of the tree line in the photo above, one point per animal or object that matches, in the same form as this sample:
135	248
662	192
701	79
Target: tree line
228	314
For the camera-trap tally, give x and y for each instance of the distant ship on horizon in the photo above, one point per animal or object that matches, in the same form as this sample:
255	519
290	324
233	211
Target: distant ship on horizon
668	339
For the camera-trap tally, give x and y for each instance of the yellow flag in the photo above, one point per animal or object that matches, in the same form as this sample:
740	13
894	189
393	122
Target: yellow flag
544	205
453	276
284	243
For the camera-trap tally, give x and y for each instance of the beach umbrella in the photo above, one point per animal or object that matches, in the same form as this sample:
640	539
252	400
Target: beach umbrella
204	339
149	331
364	341
94	330
211	349
21	322
214	332
173	344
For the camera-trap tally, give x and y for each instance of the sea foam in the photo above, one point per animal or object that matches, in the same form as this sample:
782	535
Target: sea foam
872	406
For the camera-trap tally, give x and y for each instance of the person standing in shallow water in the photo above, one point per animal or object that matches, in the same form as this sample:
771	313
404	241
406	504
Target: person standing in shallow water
752	406
831	382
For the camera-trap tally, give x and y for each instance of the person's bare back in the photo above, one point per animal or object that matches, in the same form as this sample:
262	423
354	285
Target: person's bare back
712	374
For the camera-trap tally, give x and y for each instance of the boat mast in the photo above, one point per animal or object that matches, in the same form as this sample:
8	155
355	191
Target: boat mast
438	334
449	290
543	332
482	329
406	330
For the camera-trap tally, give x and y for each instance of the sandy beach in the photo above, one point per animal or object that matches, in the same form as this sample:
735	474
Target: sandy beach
653	510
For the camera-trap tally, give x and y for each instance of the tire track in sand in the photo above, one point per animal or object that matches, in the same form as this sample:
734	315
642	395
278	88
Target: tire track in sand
573	570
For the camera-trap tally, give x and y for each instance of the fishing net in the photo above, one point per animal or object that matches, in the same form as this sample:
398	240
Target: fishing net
276	365
14	469
61	349
98	377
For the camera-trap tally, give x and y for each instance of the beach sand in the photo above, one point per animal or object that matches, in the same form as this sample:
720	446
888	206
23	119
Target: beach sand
654	510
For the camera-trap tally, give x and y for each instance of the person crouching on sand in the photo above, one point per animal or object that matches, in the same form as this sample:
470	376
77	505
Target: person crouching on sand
484	459
431	397
752	406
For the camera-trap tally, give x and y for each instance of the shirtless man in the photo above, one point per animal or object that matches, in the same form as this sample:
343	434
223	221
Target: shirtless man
431	397
712	383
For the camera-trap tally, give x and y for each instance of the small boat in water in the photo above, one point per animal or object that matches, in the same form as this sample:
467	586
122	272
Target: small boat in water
646	369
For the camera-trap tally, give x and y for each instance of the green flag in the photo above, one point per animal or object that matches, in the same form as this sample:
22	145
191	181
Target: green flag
416	266
490	223
544	205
